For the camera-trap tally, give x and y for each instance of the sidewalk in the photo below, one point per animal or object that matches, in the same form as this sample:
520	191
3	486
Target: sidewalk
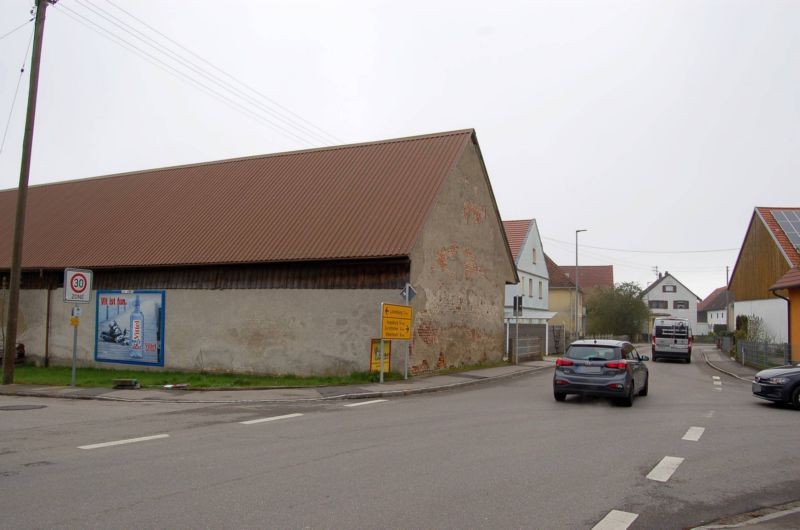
720	361
416	385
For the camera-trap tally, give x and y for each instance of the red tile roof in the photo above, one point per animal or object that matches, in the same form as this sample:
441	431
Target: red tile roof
516	231
716	300
789	251
356	201
789	280
557	277
591	276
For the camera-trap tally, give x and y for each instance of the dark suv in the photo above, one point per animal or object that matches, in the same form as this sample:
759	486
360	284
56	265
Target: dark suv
609	368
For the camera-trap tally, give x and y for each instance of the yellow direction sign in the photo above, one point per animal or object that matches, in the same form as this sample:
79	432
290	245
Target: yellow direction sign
396	321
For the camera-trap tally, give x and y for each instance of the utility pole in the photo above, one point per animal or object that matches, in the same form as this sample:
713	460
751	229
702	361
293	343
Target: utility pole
12	312
577	285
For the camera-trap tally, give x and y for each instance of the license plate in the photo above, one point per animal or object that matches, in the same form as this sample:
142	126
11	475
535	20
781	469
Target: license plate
591	370
756	387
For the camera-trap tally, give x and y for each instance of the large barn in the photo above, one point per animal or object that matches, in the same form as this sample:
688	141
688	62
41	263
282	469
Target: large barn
270	264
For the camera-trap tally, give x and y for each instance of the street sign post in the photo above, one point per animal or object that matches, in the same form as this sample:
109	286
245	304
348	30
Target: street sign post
395	324
77	289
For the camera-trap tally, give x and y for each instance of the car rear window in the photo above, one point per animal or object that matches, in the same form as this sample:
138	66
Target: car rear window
593	352
679	331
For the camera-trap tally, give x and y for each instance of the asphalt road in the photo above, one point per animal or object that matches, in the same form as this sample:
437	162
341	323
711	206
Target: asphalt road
501	455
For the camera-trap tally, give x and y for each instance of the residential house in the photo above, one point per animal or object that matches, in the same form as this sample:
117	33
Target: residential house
272	264
790	282
526	248
668	297
564	298
712	311
768	253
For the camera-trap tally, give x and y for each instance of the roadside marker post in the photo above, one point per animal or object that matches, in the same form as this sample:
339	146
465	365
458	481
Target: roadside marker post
77	289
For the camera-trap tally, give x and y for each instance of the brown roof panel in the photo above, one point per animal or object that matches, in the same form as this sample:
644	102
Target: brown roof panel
715	301
789	280
557	277
355	201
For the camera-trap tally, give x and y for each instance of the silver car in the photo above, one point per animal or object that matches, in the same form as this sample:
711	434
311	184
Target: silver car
608	368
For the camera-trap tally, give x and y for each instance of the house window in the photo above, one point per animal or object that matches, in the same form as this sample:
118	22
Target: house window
680	304
534	255
540	290
530	287
668	288
657	304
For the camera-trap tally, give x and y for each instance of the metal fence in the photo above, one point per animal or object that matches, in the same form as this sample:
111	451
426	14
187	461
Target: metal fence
762	354
526	349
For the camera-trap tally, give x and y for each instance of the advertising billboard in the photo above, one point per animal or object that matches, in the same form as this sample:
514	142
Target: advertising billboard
129	327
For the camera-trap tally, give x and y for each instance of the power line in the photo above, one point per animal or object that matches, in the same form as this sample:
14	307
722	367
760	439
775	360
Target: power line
226	74
17	28
176	73
16	91
297	127
649	251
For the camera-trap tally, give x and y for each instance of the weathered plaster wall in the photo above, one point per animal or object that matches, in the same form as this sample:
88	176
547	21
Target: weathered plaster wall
298	331
460	267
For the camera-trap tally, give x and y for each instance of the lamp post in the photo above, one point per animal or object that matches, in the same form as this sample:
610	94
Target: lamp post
577	283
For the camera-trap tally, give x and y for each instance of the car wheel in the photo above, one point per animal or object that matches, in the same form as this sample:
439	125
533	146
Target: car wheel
796	398
560	396
643	391
627	401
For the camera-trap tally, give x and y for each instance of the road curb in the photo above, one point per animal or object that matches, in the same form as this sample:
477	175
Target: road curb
357	395
717	368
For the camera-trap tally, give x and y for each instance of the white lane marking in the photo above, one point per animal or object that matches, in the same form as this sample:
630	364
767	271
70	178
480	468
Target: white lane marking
715	377
718	383
718	389
365	403
664	470
693	434
122	442
616	520
709	414
272	418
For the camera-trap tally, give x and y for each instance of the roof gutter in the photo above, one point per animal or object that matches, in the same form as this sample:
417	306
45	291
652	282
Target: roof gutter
788	318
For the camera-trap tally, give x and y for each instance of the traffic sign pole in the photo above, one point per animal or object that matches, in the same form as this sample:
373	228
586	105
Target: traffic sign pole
76	311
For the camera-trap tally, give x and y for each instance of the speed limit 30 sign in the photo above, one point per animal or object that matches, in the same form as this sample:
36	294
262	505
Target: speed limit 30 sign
77	286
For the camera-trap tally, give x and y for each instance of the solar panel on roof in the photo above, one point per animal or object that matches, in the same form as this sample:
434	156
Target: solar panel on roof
789	221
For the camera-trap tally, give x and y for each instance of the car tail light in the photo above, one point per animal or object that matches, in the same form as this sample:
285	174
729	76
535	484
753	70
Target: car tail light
616	386
561	382
653	340
691	339
563	362
619	365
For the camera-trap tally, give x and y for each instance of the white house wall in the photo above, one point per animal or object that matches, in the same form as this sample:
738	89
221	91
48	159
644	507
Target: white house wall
681	293
772	312
528	272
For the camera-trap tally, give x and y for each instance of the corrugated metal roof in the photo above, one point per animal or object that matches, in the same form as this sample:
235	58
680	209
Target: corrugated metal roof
355	201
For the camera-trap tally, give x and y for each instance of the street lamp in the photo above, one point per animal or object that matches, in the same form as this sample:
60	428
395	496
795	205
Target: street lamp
577	283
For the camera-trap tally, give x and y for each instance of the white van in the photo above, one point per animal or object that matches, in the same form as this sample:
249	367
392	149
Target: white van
672	339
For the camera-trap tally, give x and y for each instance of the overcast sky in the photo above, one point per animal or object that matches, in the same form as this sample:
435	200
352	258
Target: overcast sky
656	125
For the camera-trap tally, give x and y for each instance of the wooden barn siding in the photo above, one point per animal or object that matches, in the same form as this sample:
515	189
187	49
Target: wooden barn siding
761	264
316	275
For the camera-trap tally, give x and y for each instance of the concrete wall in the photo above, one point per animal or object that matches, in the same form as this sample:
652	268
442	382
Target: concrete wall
281	331
460	267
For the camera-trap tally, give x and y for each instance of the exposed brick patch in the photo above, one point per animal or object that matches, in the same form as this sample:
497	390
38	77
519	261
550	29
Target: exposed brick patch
428	332
441	362
420	368
445	255
476	212
471	267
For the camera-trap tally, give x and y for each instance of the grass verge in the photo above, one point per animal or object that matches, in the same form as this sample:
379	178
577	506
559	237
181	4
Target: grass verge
102	378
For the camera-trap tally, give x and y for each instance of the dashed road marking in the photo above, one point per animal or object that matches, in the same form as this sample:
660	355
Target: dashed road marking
715	377
709	414
123	442
664	470
693	434
365	403
272	418
717	383
616	520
